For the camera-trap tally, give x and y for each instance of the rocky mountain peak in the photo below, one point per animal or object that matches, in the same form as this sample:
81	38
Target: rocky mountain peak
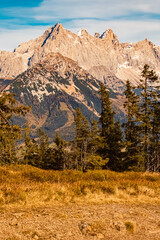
109	35
52	33
97	35
82	32
101	55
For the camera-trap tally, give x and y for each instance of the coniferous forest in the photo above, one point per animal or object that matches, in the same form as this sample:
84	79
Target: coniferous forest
104	144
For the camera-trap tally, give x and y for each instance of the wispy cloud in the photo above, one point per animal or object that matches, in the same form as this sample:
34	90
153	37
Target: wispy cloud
10	39
103	9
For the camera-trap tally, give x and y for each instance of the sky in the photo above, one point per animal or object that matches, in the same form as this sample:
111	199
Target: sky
131	20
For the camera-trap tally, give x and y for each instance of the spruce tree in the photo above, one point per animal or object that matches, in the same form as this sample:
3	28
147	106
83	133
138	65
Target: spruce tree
132	158
9	133
95	138
148	96
110	132
82	133
31	150
94	160
43	149
60	155
154	148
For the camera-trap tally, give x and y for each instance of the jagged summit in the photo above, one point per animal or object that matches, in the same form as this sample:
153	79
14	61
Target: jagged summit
52	32
59	71
99	55
82	32
109	34
97	35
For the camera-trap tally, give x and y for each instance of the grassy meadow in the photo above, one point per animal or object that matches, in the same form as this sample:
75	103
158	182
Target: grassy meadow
24	185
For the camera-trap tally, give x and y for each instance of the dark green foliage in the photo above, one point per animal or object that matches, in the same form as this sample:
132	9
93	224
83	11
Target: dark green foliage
61	154
107	114
95	138
133	157
148	98
142	129
115	144
81	139
111	143
38	153
9	133
93	147
31	155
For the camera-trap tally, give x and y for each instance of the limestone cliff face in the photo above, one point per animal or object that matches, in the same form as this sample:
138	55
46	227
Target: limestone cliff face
55	88
101	55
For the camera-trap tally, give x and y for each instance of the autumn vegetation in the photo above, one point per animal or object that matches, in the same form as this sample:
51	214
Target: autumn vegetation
106	144
29	186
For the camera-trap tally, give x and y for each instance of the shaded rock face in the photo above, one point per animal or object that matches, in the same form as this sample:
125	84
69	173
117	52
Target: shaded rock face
55	88
99	55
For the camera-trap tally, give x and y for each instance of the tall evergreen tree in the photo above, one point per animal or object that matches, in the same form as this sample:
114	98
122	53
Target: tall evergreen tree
95	138
154	148
94	160
81	139
31	151
110	133
43	148
9	133
132	141
147	98
60	153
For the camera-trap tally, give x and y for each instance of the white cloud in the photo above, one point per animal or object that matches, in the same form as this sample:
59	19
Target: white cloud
94	8
10	39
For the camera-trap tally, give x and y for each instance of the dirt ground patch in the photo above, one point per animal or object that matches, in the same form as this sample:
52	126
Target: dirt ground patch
112	221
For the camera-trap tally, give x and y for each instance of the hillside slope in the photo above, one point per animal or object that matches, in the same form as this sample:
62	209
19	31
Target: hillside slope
55	88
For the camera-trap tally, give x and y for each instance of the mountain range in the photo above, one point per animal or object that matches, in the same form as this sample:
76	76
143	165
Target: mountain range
61	70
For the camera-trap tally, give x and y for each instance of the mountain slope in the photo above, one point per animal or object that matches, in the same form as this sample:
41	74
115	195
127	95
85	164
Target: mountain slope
55	88
103	56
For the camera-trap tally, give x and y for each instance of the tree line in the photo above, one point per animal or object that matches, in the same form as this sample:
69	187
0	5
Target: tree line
104	144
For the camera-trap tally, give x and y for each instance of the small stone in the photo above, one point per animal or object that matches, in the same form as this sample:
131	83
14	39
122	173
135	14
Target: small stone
100	236
36	237
84	227
119	226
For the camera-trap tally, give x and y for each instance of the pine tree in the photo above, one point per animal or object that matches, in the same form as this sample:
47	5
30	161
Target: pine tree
95	138
110	133
132	142
81	140
31	150
38	153
94	160
147	98
60	153
9	133
115	144
43	149
154	148
106	120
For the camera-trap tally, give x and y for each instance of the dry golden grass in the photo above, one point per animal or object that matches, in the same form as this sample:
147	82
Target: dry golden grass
29	186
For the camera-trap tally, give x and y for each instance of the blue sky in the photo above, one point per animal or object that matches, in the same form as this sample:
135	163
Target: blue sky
134	20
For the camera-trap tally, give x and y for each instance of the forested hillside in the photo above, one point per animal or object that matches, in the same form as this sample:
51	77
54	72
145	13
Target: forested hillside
103	144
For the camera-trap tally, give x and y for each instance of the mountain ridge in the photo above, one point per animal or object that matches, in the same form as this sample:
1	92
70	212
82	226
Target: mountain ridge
121	60
60	71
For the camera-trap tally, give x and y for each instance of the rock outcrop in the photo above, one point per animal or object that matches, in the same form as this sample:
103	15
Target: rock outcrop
102	55
55	88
